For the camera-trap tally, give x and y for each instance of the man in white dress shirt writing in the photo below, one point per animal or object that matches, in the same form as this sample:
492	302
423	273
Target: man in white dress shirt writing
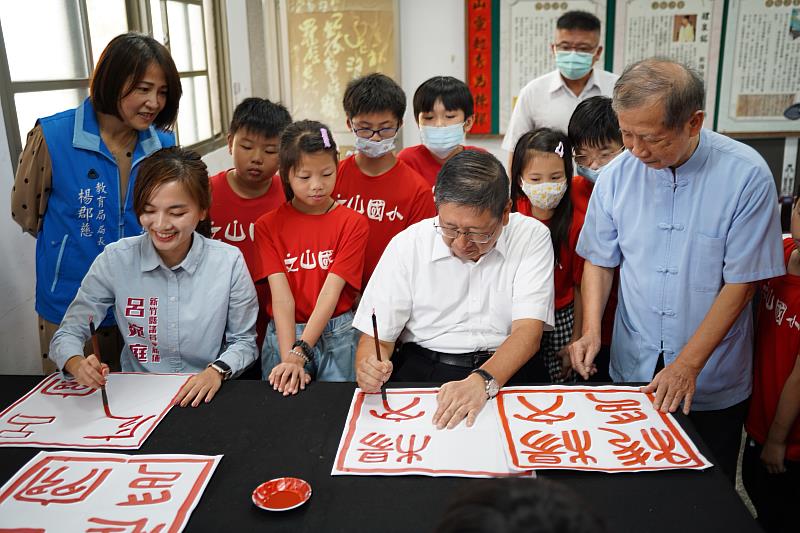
467	293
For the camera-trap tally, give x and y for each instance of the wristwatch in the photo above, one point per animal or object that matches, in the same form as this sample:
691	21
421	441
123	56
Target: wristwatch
223	368
492	388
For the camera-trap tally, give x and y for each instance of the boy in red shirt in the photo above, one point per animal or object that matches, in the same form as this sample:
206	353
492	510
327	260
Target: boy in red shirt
594	134
444	111
389	193
771	464
251	188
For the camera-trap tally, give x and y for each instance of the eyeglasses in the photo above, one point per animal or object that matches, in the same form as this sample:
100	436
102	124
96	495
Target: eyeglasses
586	160
383	133
471	236
569	47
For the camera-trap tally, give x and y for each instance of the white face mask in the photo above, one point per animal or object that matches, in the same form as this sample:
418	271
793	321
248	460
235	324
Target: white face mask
545	195
374	149
441	141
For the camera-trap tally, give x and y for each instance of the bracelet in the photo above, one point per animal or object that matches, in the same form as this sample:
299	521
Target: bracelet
301	355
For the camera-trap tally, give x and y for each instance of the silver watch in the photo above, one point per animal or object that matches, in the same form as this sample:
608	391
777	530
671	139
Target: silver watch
492	388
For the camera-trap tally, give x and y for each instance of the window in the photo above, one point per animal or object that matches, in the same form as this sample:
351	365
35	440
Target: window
46	62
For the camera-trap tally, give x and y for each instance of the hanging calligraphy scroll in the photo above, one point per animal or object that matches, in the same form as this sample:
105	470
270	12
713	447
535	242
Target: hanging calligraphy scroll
327	43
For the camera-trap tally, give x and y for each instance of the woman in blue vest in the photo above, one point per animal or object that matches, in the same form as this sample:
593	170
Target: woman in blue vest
72	187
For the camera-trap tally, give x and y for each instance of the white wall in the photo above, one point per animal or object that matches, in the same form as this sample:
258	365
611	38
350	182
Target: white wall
432	43
19	339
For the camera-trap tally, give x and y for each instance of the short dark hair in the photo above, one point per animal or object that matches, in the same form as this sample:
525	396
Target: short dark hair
594	123
519	505
260	116
123	64
374	93
578	20
303	137
453	93
679	88
174	164
474	179
545	140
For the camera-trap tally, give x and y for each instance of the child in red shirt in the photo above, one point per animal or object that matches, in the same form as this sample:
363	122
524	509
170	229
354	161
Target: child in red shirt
250	189
311	251
596	139
444	111
390	194
541	172
771	464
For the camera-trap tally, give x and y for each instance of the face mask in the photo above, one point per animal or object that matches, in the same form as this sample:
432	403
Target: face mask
442	140
588	173
545	195
574	65
373	149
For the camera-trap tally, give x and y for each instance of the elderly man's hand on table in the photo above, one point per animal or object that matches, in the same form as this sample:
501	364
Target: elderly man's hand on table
674	384
459	400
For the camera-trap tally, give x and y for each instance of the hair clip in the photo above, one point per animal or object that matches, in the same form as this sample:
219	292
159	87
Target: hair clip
560	149
325	139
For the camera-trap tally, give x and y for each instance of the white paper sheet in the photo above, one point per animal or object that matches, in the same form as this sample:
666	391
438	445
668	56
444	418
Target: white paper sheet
611	429
403	440
94	492
64	414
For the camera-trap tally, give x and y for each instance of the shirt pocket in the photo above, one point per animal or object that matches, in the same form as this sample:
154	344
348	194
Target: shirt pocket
500	311
706	258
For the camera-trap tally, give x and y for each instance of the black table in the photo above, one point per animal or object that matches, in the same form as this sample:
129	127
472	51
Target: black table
263	435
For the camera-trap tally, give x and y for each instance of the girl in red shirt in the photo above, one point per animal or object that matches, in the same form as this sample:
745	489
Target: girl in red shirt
311	252
541	172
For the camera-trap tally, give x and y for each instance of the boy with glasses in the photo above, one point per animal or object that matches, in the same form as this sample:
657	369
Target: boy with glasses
374	182
549	100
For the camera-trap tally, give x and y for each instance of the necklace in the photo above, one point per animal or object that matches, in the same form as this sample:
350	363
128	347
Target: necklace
330	206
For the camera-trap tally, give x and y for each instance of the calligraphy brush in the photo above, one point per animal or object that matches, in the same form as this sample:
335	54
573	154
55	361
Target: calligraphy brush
378	351
96	348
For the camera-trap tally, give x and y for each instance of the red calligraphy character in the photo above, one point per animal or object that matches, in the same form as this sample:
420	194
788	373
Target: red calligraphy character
22	422
545	448
377	448
135	330
122	526
663	443
628	451
51	485
127	429
155	354
573	443
139	351
548	415
397	415
411	454
151	480
152	320
135	308
64	388
626	410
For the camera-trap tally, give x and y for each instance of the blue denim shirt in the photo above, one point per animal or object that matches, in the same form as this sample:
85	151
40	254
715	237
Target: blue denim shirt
677	240
172	320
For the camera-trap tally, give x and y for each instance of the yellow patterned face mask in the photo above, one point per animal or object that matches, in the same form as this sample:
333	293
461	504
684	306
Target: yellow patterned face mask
545	195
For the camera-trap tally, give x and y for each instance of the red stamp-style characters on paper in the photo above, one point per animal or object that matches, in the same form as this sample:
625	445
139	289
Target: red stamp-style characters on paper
630	452
625	410
662	442
20	424
149	484
126	429
543	448
398	415
61	484
104	525
546	415
64	388
377	448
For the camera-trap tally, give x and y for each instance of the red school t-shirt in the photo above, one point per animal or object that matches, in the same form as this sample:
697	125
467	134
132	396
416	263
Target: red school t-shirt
581	193
307	248
233	221
421	159
391	202
777	347
569	265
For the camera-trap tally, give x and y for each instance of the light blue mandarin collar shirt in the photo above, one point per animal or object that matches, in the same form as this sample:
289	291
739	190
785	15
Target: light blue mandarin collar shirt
678	238
172	320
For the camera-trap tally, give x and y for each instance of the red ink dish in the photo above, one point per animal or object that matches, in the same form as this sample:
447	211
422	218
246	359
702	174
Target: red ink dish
282	494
